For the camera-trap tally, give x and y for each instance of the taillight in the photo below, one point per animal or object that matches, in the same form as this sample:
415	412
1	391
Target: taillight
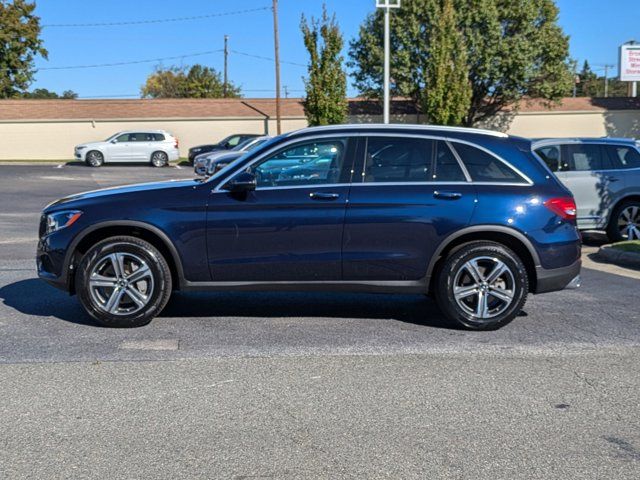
564	207
177	143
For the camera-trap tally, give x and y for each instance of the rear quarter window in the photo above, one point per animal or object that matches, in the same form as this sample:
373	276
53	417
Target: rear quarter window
484	167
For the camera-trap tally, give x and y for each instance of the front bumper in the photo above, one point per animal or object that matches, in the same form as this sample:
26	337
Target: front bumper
552	280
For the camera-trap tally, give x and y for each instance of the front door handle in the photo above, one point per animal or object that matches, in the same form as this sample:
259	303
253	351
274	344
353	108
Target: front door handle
447	195
323	196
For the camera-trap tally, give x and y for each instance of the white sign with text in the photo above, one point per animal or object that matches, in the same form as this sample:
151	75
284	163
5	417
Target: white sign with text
630	63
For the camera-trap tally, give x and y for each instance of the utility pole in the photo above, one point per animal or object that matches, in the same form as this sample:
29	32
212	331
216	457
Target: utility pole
576	78
226	58
286	91
387	5
276	41
606	80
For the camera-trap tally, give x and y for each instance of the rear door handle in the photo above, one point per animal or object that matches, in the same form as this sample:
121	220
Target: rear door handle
323	196
447	195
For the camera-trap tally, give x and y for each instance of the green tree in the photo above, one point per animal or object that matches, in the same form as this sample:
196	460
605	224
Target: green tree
326	85
20	42
589	85
197	81
515	48
44	93
447	97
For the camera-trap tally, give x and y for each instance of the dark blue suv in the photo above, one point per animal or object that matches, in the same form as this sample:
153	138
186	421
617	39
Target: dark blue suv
471	217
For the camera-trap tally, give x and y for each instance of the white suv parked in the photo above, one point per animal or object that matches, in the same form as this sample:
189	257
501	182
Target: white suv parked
156	147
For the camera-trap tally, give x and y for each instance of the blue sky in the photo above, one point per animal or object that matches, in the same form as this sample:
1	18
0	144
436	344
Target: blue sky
596	28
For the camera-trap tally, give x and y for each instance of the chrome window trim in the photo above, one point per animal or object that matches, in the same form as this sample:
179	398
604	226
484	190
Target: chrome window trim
449	141
497	157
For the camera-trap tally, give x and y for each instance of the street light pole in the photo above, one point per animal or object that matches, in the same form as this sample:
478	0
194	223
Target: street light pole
387	5
276	39
386	65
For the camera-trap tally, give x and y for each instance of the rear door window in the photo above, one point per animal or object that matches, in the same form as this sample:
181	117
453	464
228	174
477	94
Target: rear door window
446	166
623	156
398	159
484	167
586	158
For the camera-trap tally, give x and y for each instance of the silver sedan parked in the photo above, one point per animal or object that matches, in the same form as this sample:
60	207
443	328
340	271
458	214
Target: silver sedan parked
604	176
209	163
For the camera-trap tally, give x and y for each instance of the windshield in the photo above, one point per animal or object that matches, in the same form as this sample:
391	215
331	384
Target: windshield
112	137
250	148
240	147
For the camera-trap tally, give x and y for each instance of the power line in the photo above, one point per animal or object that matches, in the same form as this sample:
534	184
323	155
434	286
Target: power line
163	20
267	58
132	62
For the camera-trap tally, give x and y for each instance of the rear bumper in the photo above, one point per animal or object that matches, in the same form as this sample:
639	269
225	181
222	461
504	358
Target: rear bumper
552	280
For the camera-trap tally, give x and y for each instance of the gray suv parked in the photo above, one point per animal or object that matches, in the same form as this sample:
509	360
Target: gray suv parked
604	176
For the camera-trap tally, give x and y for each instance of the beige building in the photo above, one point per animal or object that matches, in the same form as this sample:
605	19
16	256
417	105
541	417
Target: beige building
49	129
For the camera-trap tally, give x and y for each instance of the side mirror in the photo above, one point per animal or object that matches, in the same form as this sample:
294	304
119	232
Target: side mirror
114	141
243	182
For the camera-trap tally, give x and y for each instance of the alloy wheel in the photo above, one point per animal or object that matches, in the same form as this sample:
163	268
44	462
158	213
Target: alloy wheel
629	223
159	159
484	287
94	158
121	283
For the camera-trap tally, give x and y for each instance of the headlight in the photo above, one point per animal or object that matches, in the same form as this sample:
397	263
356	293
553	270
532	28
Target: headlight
59	220
196	150
81	147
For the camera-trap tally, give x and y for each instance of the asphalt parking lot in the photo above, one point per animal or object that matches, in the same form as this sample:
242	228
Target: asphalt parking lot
293	385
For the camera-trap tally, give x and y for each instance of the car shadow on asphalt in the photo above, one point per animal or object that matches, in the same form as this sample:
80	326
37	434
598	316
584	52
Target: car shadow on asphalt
35	298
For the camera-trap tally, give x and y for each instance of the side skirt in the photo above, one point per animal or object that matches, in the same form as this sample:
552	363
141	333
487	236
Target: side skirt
406	287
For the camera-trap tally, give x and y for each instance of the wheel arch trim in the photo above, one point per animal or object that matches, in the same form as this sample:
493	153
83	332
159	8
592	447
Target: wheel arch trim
164	238
517	235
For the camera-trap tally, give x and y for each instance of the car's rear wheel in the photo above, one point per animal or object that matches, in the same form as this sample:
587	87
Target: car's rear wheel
481	285
94	158
159	159
625	222
123	282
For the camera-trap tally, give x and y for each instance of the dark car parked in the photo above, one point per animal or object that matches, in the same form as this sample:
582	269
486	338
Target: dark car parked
471	217
227	144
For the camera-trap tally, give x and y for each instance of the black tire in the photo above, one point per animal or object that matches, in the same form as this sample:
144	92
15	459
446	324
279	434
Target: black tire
94	158
159	159
156	282
455	273
618	223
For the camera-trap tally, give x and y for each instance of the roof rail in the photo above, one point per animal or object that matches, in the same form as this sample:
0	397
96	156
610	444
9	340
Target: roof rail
358	126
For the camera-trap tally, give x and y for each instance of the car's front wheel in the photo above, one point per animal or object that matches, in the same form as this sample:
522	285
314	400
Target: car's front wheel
123	282
94	158
625	222
482	285
159	159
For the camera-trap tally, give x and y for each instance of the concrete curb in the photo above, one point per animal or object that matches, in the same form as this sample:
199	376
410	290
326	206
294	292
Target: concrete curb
624	259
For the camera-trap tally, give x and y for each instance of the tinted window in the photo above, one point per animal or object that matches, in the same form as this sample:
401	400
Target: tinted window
623	156
584	158
310	163
484	167
397	159
447	168
123	138
552	156
158	137
233	141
